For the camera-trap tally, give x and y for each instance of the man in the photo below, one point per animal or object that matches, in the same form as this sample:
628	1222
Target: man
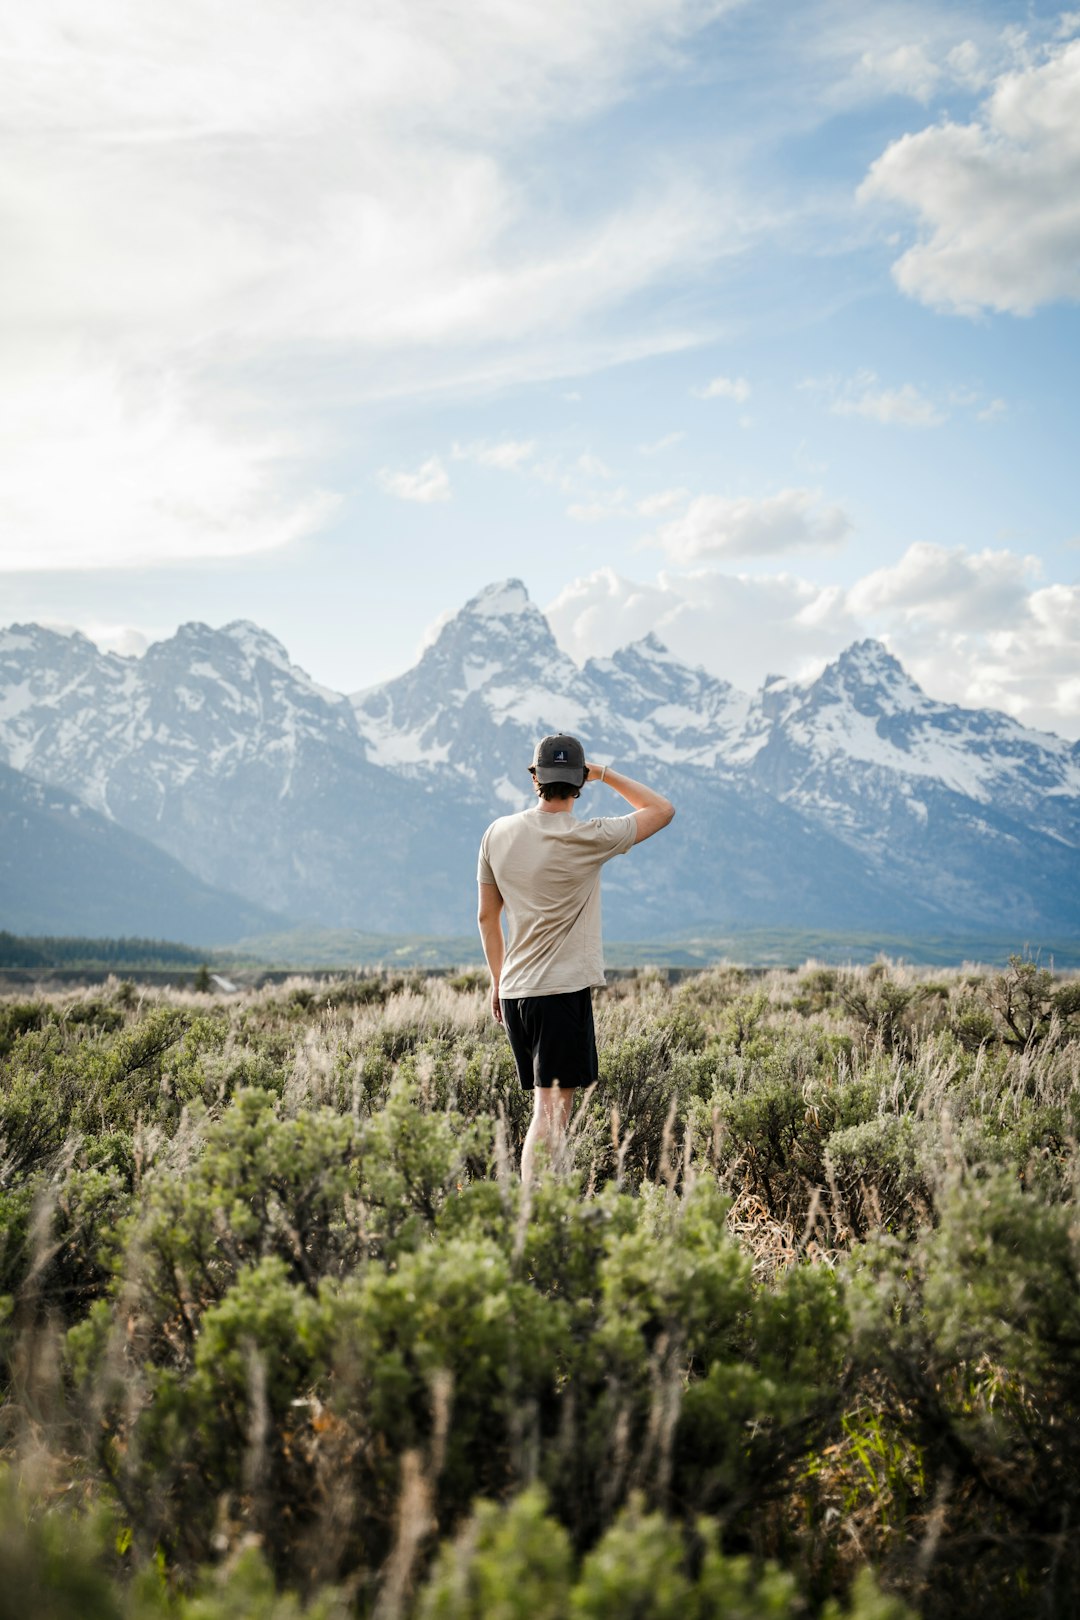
543	867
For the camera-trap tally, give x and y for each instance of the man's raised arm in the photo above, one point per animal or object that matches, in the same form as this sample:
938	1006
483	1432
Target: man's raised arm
652	810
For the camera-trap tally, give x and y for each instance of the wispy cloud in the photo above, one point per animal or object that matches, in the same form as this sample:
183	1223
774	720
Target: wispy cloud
430	482
663	501
619	503
736	388
902	406
509	455
658	446
332	199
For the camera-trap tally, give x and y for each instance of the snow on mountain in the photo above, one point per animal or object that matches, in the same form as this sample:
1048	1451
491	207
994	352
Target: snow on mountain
865	710
112	729
851	800
672	713
495	679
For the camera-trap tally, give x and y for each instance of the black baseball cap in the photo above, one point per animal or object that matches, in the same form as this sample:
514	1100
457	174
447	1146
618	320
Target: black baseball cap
559	759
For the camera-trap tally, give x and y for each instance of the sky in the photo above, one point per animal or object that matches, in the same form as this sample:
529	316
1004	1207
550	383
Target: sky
748	323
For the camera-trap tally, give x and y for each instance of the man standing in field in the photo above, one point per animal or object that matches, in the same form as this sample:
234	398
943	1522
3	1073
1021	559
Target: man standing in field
543	867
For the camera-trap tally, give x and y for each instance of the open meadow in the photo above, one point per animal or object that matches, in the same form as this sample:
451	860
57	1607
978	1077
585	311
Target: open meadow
793	1327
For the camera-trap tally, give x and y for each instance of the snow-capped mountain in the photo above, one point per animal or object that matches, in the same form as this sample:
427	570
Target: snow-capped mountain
865	710
854	801
223	753
495	679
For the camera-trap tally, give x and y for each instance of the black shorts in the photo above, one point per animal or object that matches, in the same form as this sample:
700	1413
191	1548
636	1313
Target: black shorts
552	1038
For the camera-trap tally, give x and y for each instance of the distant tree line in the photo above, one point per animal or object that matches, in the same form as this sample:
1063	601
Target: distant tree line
45	951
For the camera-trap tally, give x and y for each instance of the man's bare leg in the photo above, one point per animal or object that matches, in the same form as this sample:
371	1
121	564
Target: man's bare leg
552	1106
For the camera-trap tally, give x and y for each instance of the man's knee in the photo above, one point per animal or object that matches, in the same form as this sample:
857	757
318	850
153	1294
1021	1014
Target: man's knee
552	1102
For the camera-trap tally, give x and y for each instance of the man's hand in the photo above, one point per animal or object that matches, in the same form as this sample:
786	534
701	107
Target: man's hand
496	1005
592	773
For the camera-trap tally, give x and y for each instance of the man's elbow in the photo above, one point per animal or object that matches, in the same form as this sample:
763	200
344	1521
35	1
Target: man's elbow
668	813
489	909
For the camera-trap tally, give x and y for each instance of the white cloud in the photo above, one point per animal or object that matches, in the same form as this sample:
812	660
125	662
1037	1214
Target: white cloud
906	70
1019	654
658	446
663	501
975	628
740	626
429	482
998	199
736	388
592	466
334	200
611	504
953	588
966	66
992	412
103	469
723	526
904	406
509	455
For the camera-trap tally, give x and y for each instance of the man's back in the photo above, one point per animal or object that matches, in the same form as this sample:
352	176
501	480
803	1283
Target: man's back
547	870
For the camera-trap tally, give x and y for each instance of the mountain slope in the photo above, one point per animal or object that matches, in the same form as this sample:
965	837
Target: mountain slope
854	801
66	870
224	754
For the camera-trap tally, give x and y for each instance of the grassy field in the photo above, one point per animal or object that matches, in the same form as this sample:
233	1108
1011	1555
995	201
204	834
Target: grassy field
792	1328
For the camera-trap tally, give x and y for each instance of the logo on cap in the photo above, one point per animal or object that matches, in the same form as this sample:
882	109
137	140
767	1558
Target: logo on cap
561	757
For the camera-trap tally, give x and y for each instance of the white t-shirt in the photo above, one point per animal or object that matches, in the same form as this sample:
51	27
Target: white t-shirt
546	865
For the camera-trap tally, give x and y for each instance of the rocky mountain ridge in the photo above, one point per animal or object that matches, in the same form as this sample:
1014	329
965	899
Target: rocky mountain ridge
854	800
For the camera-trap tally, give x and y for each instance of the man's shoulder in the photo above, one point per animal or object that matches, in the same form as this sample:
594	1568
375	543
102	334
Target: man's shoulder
504	824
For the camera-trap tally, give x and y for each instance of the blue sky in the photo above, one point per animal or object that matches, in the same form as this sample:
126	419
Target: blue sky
752	324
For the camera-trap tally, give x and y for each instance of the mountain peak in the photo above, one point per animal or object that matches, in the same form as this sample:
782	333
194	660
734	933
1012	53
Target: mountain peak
871	659
256	642
650	646
503	599
868	675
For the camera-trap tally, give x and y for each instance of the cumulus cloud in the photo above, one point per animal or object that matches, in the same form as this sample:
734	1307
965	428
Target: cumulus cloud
980	628
736	388
975	628
951	587
430	482
741	526
997	199
740	626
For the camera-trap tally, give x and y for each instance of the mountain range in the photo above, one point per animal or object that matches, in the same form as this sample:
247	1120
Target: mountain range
850	802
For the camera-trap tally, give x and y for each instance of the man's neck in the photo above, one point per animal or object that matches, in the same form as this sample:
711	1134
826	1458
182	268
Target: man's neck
556	807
